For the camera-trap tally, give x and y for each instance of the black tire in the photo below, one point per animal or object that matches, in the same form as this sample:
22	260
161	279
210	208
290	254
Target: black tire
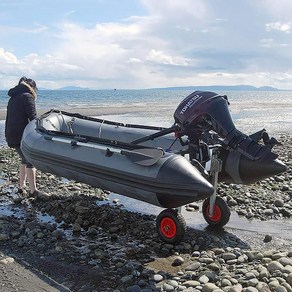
221	212
171	226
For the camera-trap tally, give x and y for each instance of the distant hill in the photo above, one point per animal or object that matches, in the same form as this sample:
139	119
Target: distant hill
194	88
224	88
268	88
73	88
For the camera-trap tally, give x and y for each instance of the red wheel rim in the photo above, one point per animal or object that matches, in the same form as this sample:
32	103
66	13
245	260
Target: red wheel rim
216	214
168	227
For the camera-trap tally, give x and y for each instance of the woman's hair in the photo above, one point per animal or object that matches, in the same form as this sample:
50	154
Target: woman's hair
29	81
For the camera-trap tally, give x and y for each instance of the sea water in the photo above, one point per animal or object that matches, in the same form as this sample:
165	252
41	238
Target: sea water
250	110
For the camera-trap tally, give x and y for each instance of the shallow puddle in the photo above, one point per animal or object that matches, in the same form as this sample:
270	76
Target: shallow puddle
195	219
45	218
10	211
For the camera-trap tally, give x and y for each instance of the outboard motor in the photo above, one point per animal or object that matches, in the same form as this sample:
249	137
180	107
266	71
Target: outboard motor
244	159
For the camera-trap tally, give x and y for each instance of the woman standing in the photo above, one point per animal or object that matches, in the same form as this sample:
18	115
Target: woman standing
21	110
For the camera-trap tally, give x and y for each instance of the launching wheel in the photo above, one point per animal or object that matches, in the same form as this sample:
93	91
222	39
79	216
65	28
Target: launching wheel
171	226
221	212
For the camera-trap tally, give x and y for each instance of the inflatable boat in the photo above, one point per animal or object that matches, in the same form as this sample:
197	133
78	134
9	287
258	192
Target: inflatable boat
148	174
166	167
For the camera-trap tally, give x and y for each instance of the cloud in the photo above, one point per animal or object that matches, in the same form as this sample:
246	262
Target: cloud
283	27
138	45
134	60
174	43
270	43
280	9
160	57
36	28
43	67
7	58
177	9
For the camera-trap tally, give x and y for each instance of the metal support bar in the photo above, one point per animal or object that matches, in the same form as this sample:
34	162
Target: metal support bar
155	135
216	167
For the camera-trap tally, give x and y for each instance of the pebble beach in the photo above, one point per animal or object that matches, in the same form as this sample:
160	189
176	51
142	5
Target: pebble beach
77	239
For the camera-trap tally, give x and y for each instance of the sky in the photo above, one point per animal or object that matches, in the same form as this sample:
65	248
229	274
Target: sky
135	44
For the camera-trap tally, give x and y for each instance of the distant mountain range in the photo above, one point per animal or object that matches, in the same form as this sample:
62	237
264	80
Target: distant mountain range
73	88
224	87
193	88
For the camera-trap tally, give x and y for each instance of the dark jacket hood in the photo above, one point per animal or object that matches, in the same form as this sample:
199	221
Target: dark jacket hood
20	89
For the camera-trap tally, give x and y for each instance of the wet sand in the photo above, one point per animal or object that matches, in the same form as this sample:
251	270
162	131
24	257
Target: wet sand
83	111
115	110
237	225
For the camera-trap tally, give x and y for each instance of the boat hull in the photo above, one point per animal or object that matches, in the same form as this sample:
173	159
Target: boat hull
150	184
237	168
170	182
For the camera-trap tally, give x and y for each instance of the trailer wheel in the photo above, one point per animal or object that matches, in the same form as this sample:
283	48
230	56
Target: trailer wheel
221	212
171	226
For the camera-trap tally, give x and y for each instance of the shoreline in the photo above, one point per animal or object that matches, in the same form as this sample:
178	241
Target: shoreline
163	115
102	111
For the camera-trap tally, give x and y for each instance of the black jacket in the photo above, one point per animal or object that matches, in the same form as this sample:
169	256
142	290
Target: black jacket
20	111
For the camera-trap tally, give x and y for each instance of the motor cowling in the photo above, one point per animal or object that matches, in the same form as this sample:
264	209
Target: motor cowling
245	160
204	106
209	110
